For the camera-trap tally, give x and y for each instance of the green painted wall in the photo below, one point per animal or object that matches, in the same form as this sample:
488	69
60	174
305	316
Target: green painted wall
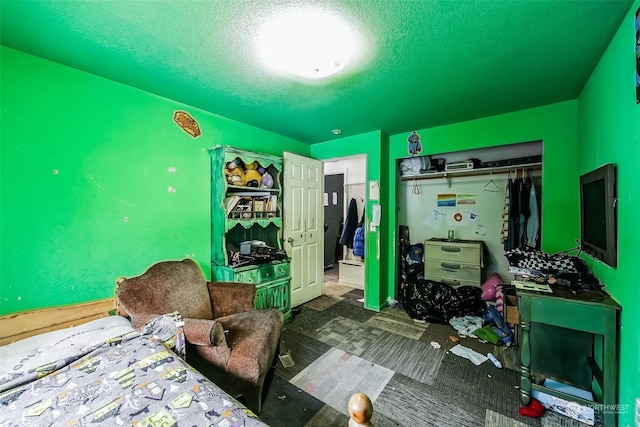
554	124
609	132
64	235
368	144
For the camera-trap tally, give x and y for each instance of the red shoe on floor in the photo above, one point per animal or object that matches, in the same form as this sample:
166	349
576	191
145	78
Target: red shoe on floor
535	409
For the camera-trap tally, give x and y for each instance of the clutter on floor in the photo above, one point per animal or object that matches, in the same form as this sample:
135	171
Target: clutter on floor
475	357
495	361
573	410
534	409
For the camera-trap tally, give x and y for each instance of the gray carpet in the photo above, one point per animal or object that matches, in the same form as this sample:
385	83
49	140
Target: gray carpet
346	309
327	416
412	403
287	405
304	351
495	419
485	385
322	302
388	323
429	387
347	335
414	359
353	296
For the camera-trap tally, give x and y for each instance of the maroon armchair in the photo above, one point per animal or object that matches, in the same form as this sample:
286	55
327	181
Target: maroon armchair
228	340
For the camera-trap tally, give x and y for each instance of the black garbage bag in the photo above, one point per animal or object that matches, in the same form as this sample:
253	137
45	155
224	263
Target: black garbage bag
414	272
438	302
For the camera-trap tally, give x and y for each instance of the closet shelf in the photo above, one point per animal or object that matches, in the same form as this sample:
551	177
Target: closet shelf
473	172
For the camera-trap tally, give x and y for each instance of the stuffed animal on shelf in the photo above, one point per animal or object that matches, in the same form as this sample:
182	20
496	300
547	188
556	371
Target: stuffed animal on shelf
255	165
267	180
252	178
235	163
235	176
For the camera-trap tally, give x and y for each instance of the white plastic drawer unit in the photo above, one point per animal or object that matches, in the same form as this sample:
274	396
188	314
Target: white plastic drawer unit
457	262
453	270
460	251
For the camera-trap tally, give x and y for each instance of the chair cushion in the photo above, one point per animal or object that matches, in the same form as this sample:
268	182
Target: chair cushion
166	287
253	338
204	332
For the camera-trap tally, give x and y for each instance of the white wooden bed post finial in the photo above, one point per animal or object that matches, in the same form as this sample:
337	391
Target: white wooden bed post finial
360	411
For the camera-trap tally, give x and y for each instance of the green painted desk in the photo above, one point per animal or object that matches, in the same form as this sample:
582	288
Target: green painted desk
592	312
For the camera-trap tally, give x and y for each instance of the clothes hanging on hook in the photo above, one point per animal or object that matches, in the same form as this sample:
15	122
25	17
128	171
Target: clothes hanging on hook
350	224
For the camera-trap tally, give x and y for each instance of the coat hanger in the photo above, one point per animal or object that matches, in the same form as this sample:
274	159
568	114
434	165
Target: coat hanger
491	186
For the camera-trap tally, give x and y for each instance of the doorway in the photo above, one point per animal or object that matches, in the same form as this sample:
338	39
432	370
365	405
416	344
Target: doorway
346	178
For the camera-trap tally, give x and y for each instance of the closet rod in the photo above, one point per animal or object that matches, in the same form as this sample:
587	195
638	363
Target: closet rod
473	172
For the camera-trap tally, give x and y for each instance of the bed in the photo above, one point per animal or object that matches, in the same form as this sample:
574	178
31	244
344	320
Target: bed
104	372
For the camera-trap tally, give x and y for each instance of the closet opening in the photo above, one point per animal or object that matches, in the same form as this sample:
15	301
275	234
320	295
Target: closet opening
460	198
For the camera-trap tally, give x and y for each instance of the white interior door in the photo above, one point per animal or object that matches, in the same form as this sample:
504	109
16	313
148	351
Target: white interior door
303	235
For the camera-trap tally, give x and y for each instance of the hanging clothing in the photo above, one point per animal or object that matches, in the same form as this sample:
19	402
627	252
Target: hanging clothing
533	222
358	242
514	216
358	238
504	234
524	188
350	225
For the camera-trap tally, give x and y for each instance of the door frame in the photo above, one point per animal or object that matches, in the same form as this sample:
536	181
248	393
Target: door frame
345	204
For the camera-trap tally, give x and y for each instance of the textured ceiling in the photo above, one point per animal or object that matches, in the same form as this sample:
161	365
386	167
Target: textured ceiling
420	63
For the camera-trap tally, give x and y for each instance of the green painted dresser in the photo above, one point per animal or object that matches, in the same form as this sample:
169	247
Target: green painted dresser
246	206
594	313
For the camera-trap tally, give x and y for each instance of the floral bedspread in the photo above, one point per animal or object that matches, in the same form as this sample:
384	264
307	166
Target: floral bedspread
136	378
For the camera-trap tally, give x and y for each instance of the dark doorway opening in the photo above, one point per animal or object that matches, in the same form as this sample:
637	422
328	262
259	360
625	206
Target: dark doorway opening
333	217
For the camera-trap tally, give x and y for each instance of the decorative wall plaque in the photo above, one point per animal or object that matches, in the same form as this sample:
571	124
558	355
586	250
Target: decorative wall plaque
187	123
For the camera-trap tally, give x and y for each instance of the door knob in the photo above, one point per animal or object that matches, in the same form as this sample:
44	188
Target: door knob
290	240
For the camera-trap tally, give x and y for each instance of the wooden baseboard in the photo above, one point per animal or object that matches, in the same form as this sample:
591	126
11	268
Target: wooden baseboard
16	326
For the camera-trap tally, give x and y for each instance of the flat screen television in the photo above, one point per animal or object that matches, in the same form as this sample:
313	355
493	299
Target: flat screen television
598	218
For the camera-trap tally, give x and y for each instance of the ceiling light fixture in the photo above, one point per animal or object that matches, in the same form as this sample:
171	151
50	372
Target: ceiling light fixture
336	131
306	43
